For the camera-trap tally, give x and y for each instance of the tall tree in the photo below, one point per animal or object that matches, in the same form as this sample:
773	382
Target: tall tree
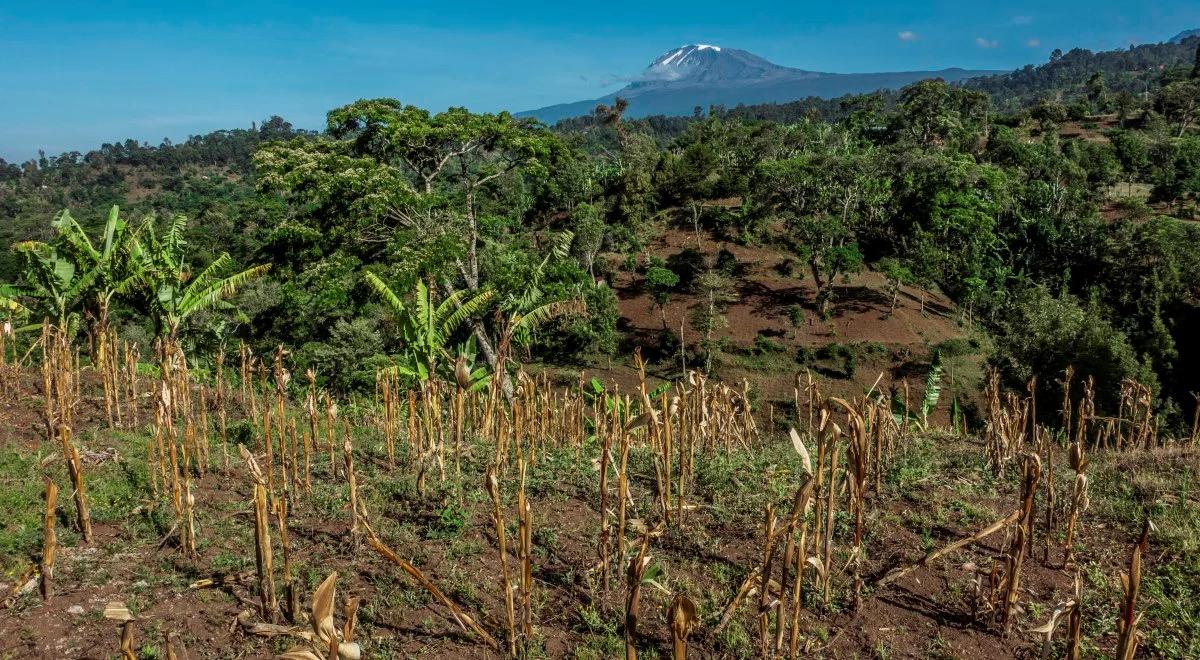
825	201
407	170
1179	101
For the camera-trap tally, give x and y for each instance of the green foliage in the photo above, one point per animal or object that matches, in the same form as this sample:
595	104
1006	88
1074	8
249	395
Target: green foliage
968	189
661	281
1046	333
826	202
919	418
426	325
20	532
451	521
796	315
589	231
1179	101
349	359
170	290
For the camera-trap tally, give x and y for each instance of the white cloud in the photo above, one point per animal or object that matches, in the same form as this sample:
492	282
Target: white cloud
907	35
1022	20
986	43
1033	43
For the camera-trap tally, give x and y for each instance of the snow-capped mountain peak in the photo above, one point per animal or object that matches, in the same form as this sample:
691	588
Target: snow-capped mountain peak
701	75
683	56
708	63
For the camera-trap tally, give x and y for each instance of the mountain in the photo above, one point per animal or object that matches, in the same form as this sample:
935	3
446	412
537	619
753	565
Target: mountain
702	75
1186	34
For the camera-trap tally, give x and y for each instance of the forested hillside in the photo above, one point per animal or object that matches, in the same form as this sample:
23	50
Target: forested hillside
1061	230
1126	73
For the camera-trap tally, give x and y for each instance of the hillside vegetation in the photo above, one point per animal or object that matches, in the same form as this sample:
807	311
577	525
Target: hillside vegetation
913	378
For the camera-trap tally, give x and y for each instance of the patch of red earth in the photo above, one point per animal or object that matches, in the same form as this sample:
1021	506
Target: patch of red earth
763	298
761	306
23	420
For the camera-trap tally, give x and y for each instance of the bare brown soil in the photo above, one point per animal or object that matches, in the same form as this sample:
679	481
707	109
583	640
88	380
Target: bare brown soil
928	613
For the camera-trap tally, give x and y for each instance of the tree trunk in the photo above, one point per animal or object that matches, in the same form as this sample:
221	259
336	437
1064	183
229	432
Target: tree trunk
472	234
489	355
816	273
485	345
708	332
682	349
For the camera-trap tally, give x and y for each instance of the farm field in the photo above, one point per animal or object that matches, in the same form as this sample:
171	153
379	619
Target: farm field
405	512
753	357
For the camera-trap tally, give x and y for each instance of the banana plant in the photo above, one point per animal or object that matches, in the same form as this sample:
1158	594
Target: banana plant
11	309
426	325
529	310
110	258
56	287
468	374
173	293
919	418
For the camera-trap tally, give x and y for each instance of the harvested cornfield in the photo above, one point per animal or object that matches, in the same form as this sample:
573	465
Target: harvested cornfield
249	514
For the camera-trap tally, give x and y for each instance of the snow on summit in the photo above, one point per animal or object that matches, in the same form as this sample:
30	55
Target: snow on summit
681	55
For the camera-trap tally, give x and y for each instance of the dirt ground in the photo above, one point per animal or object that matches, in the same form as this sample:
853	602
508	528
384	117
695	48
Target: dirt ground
938	490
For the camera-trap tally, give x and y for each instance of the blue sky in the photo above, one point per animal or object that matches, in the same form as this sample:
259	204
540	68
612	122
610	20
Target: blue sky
74	75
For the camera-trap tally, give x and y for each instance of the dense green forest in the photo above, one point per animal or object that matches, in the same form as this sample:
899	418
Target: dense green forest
1068	247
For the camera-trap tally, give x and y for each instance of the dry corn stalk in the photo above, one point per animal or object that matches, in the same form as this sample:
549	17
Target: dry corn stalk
310	441
1079	495
683	619
222	426
770	527
331	410
462	377
800	506
49	541
325	641
1069	612
856	459
622	494
731	608
460	617
525	519
350	610
262	541
900	571
75	470
633	579
290	593
826	563
351	482
1014	557
1075	621
801	561
116	611
188	502
1007	419
1195	435
603	545
1131	582
492	483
